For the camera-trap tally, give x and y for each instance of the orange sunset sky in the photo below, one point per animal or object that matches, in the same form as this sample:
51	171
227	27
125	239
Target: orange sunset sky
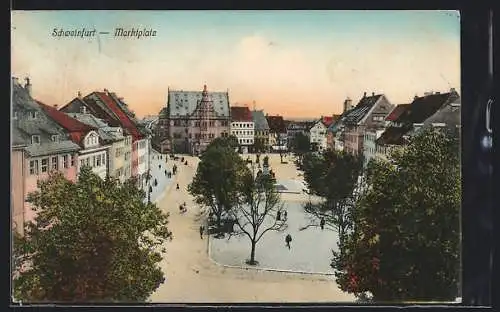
292	63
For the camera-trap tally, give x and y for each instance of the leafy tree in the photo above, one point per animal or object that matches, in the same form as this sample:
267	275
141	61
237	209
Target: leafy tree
257	209
91	241
301	145
334	176
216	183
405	241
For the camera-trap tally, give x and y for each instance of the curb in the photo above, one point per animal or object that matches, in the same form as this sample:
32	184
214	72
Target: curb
209	254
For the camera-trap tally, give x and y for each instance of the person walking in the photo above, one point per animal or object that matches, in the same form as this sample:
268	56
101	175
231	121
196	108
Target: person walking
285	215
202	228
177	187
288	240
322	223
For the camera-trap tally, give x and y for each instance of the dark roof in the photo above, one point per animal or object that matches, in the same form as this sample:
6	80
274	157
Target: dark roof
184	103
356	114
425	106
50	148
241	113
397	111
124	119
260	120
418	112
276	124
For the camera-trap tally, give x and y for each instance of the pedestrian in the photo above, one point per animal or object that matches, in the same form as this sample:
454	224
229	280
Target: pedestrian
201	231
288	240
285	214
165	172
278	216
322	223
181	209
177	187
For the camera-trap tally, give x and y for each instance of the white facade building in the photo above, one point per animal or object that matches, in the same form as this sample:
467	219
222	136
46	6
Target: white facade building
143	147
369	144
317	135
245	132
94	155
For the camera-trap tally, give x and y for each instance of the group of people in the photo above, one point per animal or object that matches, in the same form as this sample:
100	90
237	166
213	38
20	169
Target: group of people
278	216
183	208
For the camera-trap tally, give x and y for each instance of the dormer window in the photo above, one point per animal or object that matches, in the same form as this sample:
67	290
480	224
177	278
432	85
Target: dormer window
55	138
35	139
33	115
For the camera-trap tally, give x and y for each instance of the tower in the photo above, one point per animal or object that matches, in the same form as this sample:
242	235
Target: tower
206	106
347	104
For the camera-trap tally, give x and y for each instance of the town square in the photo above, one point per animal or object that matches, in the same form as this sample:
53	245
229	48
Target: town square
237	159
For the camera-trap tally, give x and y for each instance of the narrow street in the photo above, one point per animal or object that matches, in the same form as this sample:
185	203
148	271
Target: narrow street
192	277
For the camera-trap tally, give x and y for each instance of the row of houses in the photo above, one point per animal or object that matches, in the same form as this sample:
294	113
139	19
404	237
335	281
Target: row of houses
375	126
98	131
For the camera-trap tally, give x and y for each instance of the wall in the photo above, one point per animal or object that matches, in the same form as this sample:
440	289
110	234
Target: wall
244	131
96	159
17	188
70	173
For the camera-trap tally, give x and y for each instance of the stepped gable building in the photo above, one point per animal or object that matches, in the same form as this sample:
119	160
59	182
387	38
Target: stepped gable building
192	119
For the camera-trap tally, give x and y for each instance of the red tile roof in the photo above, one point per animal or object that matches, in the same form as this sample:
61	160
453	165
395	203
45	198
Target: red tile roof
77	130
241	113
125	120
397	111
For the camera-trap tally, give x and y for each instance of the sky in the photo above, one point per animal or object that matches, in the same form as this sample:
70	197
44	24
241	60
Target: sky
289	63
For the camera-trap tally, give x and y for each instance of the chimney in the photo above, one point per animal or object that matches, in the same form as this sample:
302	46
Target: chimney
415	97
373	93
106	91
347	104
79	95
452	90
364	94
55	106
27	85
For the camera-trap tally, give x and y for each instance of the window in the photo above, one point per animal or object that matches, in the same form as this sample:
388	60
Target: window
33	167
73	160
35	139
65	161
14	116
98	160
45	164
87	161
33	115
82	163
127	155
55	138
93	161
55	163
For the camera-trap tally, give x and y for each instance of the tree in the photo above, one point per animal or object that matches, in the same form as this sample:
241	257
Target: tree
301	145
93	240
405	241
259	146
215	184
334	176
257	209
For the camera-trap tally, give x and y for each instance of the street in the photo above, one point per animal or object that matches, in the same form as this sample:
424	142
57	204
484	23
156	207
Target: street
192	277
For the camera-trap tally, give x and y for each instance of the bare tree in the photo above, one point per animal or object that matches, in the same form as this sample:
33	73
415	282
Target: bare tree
258	211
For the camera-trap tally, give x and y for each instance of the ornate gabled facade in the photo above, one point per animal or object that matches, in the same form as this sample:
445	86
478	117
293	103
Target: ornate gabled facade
193	119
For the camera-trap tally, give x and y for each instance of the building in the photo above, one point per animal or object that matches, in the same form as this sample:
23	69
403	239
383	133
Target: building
369	144
192	119
318	133
242	127
93	152
432	109
112	109
390	120
261	131
295	128
45	145
18	177
278	138
370	112
120	145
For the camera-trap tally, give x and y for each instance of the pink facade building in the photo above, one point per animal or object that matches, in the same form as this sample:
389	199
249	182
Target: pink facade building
41	146
192	119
